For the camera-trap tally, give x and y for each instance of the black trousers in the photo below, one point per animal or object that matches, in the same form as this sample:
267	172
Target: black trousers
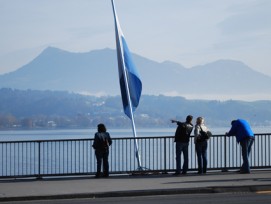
102	158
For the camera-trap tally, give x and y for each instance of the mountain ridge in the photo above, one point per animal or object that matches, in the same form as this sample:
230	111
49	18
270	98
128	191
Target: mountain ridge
96	72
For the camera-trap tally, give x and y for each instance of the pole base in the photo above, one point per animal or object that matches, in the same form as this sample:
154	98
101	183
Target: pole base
140	171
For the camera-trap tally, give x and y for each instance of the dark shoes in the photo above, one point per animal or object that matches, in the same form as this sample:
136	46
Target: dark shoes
244	172
178	173
101	175
200	172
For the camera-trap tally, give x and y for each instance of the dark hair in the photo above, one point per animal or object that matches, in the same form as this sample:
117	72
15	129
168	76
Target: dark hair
233	121
189	118
101	128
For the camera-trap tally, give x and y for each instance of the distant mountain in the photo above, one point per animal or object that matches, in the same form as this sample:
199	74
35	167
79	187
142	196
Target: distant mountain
95	72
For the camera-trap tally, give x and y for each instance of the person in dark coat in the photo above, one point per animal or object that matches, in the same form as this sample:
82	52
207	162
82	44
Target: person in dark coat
182	137
102	141
244	135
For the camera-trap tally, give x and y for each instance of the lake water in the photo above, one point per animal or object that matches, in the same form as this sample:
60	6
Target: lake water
53	134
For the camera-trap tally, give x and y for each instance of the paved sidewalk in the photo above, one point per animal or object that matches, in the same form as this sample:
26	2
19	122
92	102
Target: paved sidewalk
125	185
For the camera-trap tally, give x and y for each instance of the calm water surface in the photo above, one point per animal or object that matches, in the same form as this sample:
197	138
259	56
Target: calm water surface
18	135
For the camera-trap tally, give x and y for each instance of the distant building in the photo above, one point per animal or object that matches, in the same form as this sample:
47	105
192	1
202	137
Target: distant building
51	123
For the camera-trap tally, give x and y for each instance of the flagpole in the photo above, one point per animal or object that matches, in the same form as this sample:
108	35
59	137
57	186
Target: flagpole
128	92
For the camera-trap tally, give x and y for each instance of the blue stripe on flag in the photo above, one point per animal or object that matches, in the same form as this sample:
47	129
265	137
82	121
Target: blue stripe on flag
125	63
134	82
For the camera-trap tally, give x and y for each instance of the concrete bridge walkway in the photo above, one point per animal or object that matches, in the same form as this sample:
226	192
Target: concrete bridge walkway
136	185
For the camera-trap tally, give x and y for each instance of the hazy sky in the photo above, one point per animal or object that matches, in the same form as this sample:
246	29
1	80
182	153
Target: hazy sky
190	32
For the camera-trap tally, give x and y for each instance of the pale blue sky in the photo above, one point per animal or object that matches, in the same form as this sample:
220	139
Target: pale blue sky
189	32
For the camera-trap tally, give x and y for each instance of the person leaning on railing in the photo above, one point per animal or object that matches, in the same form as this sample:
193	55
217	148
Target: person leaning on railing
245	136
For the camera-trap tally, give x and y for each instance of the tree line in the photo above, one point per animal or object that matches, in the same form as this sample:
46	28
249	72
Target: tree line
60	109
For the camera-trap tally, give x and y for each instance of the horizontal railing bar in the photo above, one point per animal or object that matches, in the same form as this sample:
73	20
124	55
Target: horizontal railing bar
117	138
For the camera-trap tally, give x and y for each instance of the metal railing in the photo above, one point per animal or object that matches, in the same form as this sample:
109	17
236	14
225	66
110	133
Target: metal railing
76	157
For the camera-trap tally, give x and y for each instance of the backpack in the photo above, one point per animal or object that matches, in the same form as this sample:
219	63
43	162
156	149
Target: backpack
204	135
101	142
105	144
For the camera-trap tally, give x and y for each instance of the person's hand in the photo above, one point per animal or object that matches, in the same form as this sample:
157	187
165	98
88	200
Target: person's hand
227	134
173	121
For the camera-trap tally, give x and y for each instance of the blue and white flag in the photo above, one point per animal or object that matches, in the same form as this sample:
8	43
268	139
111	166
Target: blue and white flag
130	83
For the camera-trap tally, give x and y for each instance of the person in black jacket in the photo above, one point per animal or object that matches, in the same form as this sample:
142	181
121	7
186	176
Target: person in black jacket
182	136
102	141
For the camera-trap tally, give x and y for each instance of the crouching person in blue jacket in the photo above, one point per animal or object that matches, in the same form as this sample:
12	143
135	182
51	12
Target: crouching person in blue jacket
245	136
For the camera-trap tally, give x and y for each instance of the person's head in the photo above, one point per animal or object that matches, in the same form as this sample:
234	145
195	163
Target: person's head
101	128
200	120
189	119
233	121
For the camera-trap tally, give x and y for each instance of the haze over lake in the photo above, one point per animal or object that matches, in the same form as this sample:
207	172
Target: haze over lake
18	135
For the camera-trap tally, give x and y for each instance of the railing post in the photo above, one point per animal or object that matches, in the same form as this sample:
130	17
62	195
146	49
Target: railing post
165	156
39	159
225	169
